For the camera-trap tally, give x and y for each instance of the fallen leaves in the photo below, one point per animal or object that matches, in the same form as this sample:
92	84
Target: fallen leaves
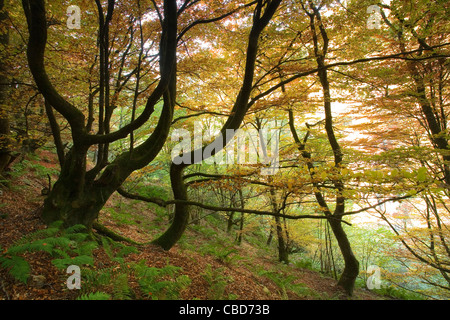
49	283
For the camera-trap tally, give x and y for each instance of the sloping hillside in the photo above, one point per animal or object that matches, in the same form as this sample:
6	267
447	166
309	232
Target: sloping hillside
206	264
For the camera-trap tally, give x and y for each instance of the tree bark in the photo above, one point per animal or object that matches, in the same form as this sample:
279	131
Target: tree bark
241	223
351	269
78	195
260	20
181	214
283	254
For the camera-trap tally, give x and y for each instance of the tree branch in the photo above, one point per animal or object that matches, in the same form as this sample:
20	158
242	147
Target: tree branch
37	28
162	203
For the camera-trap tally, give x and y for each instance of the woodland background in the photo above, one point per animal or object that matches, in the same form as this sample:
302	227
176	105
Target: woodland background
357	101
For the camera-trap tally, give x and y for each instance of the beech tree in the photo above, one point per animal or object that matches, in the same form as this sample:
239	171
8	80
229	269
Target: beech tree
321	42
80	192
144	70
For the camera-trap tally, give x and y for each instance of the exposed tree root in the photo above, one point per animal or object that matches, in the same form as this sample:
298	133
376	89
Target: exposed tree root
113	235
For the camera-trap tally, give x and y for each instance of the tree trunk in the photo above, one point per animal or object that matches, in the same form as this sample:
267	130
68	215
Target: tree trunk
78	195
72	199
351	268
239	110
230	222
241	228
181	215
63	204
270	237
283	255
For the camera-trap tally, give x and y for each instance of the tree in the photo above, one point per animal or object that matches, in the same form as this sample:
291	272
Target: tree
80	192
261	18
406	121
156	65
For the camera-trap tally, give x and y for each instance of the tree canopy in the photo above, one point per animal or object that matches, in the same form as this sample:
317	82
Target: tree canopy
281	113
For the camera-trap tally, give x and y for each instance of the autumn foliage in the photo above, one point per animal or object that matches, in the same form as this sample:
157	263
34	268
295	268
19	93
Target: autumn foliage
355	115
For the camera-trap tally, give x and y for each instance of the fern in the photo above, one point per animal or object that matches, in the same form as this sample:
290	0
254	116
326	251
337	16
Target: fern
78	228
217	282
76	237
68	246
47	245
96	278
17	267
86	248
43	233
61	253
95	296
78	260
126	250
107	247
121	288
153	281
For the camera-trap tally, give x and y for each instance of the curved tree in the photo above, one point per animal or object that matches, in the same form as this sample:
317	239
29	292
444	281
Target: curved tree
80	192
122	64
261	17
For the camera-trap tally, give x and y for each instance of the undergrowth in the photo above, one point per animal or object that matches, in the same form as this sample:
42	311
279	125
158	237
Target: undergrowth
217	282
69	246
74	246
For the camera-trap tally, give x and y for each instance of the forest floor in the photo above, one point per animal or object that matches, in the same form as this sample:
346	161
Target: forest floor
20	215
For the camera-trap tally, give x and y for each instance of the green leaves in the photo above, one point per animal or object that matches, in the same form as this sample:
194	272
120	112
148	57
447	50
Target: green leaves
17	267
152	283
422	174
78	260
69	246
95	296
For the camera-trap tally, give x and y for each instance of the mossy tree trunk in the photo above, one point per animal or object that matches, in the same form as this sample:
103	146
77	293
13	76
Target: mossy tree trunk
351	265
79	194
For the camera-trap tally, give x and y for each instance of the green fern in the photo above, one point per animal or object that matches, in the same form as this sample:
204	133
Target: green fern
61	253
68	246
126	250
96	278
78	228
106	244
76	237
121	288
160	283
78	260
95	296
86	248
17	267
111	247
217	282
47	245
51	231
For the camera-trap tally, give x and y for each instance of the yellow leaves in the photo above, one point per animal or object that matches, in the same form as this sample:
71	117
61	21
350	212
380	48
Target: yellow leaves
396	176
290	184
146	171
422	174
345	172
